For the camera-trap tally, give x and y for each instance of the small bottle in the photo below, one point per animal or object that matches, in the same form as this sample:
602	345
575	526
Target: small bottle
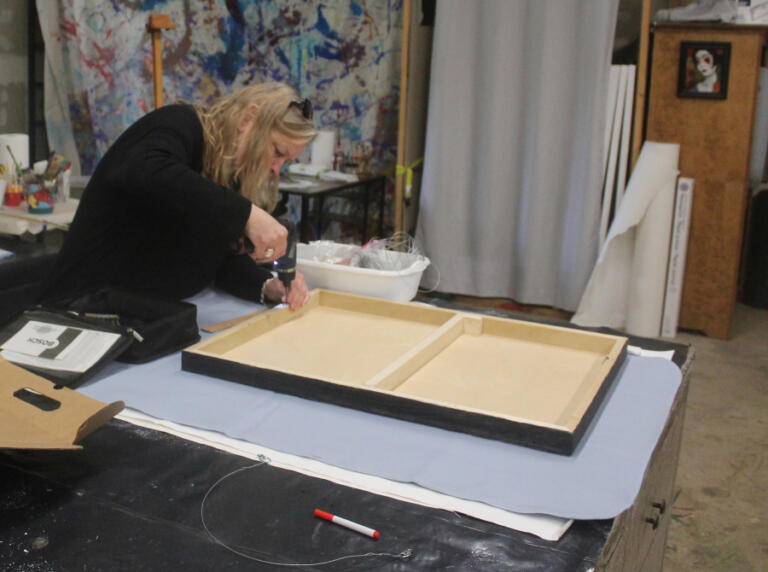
338	158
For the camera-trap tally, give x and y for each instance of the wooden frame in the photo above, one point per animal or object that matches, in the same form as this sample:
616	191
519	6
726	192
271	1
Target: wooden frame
703	70
521	382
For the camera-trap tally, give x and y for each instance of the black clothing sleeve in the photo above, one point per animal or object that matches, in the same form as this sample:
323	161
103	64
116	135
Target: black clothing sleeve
156	173
242	277
149	222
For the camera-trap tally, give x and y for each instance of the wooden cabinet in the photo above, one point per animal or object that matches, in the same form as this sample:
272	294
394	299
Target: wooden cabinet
715	137
638	537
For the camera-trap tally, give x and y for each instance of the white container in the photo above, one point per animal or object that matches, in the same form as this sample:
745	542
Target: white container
397	285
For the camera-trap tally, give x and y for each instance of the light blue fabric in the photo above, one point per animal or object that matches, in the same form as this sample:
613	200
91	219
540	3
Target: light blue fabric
600	480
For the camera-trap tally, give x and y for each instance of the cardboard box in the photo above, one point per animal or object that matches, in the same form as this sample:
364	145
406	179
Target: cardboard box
35	415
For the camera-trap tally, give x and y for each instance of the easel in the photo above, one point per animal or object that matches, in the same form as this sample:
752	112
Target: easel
157	23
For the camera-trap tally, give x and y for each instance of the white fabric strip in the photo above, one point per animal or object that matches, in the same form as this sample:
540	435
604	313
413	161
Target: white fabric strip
543	526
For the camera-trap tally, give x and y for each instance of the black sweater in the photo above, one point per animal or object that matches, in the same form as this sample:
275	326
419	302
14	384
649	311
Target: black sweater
149	222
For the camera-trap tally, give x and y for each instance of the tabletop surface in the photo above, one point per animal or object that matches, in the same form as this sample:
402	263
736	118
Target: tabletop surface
320	187
132	500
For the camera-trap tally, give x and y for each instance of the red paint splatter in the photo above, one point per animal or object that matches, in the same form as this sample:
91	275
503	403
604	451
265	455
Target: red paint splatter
102	63
69	27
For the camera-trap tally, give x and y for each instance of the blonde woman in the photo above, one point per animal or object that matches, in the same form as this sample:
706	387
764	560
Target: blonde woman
179	189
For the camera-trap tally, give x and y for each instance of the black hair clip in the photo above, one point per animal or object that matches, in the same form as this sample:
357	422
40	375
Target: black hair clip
303	105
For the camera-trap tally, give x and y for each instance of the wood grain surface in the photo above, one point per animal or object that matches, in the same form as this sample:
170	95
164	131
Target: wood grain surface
715	138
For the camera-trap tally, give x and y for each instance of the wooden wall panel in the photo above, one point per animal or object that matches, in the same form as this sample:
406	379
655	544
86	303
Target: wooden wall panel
715	138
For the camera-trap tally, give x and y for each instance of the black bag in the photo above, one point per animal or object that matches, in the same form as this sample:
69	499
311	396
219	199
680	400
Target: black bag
148	328
159	326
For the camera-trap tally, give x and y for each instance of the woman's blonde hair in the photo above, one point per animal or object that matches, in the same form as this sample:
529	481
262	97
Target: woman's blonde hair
221	123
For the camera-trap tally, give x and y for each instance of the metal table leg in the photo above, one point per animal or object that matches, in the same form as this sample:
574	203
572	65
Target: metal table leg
320	203
382	193
304	234
366	189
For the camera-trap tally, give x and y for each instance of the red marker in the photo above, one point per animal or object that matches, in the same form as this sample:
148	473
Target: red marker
347	523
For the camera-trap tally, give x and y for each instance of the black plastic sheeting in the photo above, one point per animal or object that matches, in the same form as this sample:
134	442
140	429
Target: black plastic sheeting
131	501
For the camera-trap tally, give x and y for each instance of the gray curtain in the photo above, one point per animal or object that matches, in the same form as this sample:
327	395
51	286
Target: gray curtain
510	199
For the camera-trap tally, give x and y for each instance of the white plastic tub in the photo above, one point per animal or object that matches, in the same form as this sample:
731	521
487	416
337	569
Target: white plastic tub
397	285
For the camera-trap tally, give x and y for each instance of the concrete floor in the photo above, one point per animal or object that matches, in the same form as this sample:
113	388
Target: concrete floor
720	514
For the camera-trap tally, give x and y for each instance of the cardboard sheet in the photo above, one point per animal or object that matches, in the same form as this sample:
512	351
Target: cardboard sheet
35	415
600	480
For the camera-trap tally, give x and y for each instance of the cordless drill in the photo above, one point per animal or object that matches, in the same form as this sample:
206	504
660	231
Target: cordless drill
285	266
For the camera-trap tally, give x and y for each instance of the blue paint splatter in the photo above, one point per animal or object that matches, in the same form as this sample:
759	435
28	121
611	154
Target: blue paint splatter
149	5
323	27
380	55
282	57
233	7
327	49
361	102
227	64
327	52
337	105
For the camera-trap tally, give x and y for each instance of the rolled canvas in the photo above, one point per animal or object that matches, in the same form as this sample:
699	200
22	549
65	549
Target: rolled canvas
626	288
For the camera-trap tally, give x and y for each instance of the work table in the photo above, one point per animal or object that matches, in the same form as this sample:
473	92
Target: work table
132	500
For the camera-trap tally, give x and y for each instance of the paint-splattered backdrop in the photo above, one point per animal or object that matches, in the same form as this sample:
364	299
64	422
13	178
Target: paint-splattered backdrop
342	54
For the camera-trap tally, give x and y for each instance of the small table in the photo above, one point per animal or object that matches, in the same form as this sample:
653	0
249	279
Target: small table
321	189
18	220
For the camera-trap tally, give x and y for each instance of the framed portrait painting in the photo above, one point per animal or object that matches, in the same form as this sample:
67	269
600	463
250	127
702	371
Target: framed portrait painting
704	70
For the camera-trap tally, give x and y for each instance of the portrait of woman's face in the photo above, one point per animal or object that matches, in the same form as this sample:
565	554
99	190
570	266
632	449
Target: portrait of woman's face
703	70
705	63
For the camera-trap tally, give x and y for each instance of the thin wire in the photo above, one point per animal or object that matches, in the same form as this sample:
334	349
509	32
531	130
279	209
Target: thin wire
263	460
396	252
404	242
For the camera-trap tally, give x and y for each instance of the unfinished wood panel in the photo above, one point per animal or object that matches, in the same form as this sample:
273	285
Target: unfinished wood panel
380	307
333	344
395	373
253	327
505	376
715	138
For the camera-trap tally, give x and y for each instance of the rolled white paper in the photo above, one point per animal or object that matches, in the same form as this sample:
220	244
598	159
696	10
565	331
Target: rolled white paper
323	146
626	289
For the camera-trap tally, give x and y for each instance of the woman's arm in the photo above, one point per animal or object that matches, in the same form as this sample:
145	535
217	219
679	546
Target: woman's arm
242	277
154	166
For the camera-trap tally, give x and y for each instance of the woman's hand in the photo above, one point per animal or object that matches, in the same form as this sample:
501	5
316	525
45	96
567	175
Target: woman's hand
297	297
268	236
